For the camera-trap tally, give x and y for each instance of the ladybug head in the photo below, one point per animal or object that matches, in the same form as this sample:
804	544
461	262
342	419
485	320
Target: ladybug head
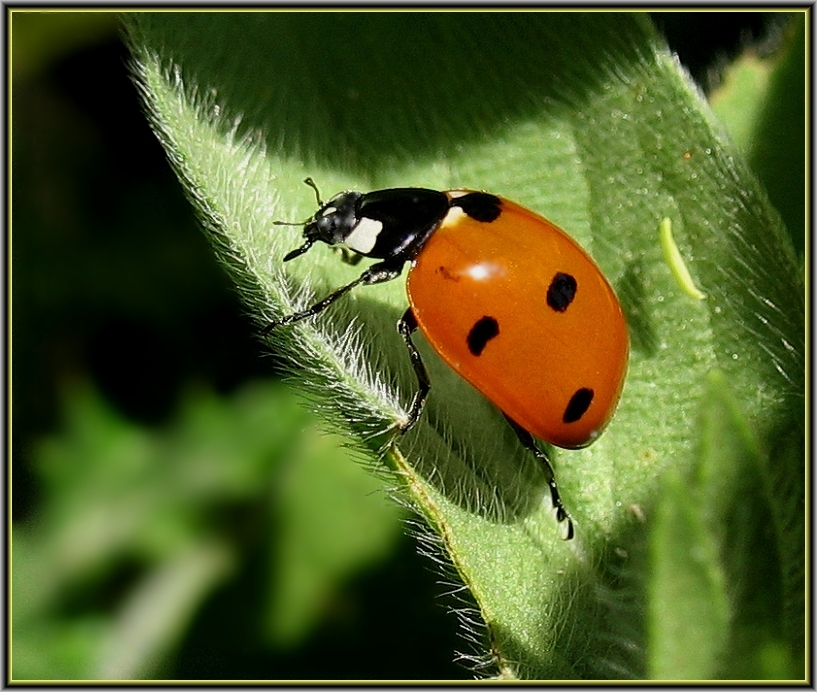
335	220
332	223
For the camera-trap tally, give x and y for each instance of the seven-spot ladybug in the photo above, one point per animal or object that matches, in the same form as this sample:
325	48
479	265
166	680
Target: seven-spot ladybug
506	298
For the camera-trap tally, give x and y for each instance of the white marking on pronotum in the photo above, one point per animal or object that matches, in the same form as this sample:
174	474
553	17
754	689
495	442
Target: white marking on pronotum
329	210
364	235
453	216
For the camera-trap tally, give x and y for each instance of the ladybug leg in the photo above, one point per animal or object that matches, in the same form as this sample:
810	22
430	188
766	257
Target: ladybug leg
376	274
347	256
407	326
528	443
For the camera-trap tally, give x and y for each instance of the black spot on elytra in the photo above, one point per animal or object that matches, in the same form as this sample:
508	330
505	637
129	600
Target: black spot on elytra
578	405
480	206
484	329
561	292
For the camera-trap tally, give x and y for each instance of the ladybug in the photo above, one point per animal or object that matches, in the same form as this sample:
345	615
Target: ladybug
504	296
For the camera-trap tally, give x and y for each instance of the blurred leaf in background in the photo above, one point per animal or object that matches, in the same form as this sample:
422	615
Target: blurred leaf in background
176	513
140	526
761	100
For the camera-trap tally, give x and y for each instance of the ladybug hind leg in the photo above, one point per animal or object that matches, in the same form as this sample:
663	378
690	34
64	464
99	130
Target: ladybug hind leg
528	443
407	326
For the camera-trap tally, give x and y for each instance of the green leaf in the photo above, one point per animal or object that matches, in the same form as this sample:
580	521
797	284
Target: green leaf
689	612
761	102
714	608
739	101
584	117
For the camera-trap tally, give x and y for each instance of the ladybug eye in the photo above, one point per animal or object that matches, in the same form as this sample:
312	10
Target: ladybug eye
325	224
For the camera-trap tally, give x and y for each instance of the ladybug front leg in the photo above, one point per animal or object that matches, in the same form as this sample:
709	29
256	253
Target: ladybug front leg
407	326
528	443
376	274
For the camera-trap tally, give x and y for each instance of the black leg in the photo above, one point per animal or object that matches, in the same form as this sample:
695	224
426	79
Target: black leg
377	273
528	443
347	256
406	326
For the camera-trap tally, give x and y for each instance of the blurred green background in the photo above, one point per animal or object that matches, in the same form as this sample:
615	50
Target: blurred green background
176	512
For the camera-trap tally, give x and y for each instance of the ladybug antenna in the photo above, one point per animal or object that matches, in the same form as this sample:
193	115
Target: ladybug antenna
310	239
311	184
